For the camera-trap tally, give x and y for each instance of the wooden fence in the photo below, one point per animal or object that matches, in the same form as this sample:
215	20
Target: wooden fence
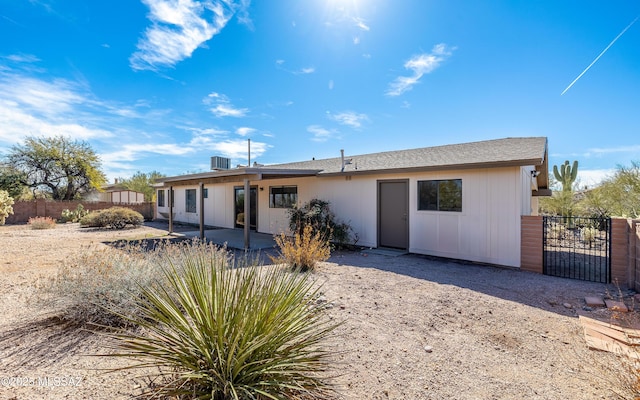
23	210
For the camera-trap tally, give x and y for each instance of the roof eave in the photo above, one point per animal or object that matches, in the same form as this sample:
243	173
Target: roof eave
257	173
496	164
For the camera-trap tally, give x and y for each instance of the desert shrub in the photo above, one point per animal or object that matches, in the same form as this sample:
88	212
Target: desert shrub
42	223
588	234
230	333
557	231
114	217
6	206
319	216
302	251
92	282
75	215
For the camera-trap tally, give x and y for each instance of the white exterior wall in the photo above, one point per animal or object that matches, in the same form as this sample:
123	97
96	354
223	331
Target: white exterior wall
487	229
353	201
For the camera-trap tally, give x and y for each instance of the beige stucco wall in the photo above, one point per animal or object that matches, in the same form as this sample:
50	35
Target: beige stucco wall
487	230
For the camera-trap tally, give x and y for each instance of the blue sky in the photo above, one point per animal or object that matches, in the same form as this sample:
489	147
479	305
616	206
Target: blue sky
166	84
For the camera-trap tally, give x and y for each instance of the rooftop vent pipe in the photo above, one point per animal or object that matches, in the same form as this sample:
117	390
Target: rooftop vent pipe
344	161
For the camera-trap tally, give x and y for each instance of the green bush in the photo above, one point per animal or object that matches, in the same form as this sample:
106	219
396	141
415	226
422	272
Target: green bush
42	223
6	206
75	215
114	217
319	216
217	332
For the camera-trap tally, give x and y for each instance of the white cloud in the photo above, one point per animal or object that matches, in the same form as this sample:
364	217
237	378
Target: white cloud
41	96
179	27
320	134
593	177
349	118
301	71
360	24
419	65
238	148
35	107
223	107
22	58
223	110
132	152
331	84
244	131
356	40
205	136
617	149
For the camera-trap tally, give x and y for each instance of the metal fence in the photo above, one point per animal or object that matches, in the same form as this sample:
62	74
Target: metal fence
577	248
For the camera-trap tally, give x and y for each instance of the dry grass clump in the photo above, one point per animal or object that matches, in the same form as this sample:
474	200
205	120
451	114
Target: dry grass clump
42	223
92	282
302	251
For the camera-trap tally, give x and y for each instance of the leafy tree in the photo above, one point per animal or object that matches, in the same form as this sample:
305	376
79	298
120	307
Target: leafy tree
561	202
142	182
11	181
63	167
620	194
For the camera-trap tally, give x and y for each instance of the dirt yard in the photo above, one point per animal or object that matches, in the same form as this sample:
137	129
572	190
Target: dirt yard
414	328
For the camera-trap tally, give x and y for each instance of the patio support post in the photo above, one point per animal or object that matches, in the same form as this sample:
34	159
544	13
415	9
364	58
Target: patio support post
170	209
201	211
247	212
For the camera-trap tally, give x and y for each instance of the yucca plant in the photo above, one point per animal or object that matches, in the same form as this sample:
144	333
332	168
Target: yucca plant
221	332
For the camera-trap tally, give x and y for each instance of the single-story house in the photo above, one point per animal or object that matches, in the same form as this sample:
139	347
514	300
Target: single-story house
462	201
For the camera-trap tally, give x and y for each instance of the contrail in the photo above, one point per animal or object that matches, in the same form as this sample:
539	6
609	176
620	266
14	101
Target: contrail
600	55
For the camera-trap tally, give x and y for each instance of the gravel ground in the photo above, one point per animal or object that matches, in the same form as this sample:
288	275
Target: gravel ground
414	328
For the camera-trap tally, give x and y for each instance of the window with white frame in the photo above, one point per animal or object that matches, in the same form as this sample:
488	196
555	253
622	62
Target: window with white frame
283	196
440	195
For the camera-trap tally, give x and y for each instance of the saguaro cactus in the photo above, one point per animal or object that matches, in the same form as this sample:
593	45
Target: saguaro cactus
567	174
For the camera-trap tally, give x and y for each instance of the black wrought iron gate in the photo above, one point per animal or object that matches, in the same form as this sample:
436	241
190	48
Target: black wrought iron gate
577	248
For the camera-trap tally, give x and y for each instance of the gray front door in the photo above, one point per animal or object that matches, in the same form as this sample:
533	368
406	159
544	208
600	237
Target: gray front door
393	214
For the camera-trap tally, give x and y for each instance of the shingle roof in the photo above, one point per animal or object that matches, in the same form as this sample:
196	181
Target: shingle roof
489	153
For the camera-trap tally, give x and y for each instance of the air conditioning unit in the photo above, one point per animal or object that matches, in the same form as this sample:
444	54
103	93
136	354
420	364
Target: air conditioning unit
220	163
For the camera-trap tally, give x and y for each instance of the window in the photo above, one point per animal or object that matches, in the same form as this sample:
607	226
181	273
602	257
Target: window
205	193
442	195
191	200
283	196
160	198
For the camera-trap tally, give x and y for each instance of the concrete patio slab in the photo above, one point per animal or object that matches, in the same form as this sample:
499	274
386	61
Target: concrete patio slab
233	238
